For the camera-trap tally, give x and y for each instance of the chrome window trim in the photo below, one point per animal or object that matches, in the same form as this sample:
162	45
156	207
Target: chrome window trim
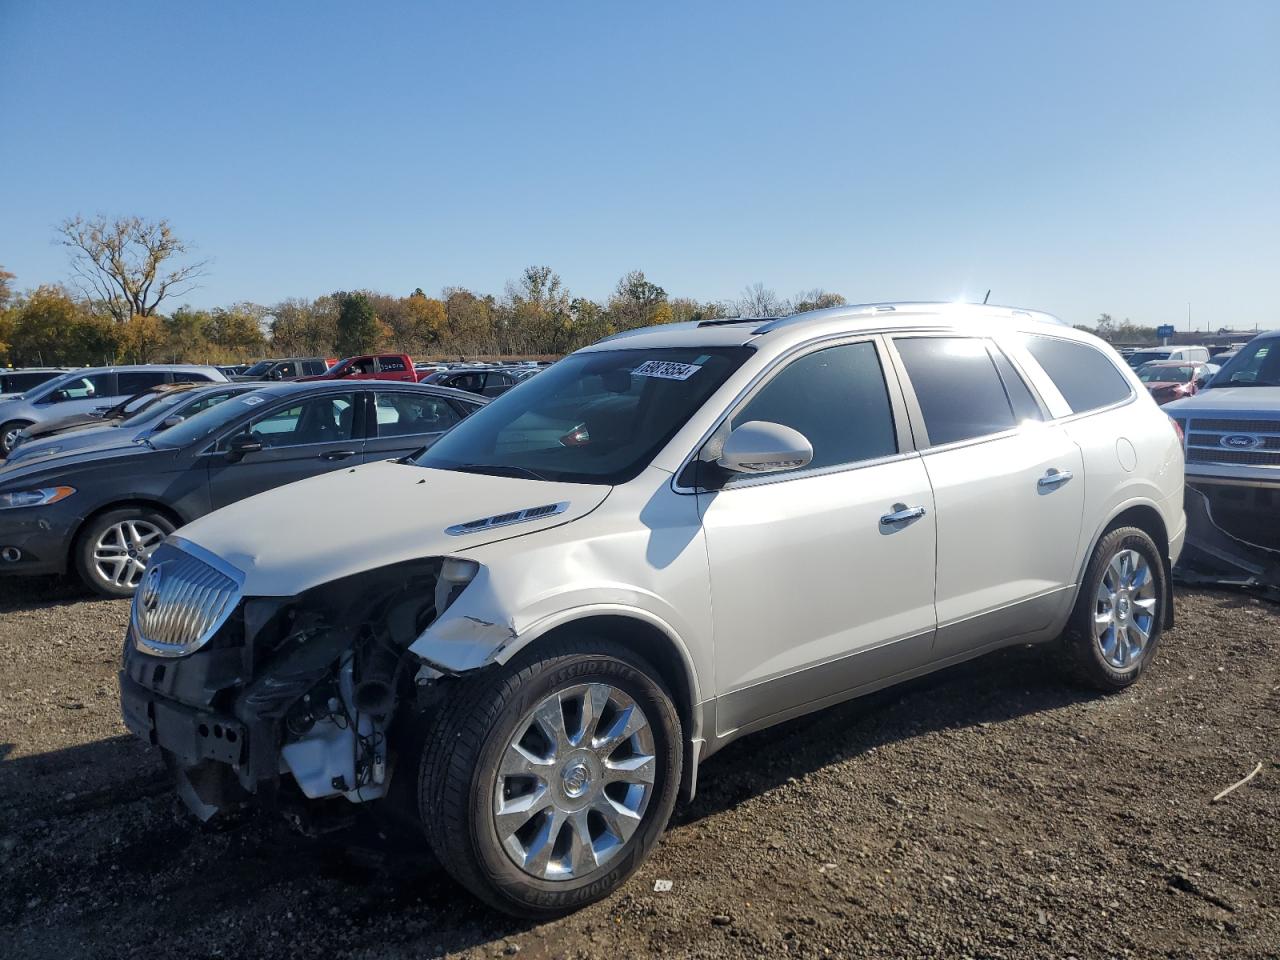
901	423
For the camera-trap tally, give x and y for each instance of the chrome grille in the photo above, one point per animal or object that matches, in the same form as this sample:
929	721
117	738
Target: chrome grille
186	594
1205	441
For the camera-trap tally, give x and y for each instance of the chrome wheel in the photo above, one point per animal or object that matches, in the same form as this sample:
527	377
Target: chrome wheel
1125	609
120	554
8	439
574	782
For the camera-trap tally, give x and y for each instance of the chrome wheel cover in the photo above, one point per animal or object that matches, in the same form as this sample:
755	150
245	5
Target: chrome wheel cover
574	782
121	552
1125	609
9	438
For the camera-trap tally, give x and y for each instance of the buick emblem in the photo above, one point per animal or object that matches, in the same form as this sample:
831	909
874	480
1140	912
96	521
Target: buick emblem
149	595
1241	441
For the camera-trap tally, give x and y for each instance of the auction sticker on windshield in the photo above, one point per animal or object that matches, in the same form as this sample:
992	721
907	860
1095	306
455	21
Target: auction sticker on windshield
666	370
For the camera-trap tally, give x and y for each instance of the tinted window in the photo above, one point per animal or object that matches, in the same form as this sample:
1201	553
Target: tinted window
837	398
1024	404
496	383
404	414
957	386
135	381
191	376
318	420
313	367
392	364
473	382
81	388
17	382
1084	375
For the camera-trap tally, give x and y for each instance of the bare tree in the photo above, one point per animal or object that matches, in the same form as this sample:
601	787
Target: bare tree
126	264
759	301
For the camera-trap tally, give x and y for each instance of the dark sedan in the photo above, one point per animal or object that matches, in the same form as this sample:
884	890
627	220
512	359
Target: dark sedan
102	512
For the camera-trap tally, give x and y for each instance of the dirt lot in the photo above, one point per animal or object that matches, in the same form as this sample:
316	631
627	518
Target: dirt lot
988	812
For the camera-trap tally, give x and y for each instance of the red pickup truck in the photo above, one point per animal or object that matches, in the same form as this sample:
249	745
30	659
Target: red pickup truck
380	366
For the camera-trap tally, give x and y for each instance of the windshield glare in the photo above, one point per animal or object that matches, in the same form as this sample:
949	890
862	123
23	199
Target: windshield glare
1257	364
594	417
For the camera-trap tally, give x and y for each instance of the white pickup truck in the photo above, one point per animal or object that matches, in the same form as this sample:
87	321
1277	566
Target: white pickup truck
1232	430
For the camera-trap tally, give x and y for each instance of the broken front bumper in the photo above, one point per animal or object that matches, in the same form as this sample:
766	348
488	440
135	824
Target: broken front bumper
1233	534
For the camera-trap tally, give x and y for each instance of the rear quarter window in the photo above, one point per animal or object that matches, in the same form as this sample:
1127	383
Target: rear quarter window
1083	374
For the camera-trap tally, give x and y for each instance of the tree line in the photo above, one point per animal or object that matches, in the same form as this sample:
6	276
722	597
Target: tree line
127	274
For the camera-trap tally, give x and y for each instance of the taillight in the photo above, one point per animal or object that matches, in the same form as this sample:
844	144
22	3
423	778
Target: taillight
1177	429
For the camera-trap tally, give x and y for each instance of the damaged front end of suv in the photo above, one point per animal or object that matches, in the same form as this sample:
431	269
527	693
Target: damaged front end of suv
280	699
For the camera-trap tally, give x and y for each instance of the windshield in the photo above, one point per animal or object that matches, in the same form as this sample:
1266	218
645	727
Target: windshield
1160	373
46	388
152	410
207	421
1256	365
259	368
595	417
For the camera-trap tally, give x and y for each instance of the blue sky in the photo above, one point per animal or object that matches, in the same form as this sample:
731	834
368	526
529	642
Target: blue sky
1079	158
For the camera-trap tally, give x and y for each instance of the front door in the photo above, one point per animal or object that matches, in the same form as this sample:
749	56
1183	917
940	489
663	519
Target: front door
1009	490
300	438
821	578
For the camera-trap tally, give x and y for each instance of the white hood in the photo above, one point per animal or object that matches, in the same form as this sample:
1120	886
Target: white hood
304	534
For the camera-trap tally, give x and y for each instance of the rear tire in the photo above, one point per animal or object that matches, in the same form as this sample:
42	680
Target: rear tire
537	828
1119	614
112	550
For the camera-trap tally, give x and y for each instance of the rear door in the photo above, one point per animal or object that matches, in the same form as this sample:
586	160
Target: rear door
404	421
1009	490
301	437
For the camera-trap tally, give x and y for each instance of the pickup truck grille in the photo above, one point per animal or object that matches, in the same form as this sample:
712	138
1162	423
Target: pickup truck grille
182	600
1239	442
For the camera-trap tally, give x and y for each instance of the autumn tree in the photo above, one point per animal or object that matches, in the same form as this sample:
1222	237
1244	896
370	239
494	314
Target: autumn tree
685	309
6	287
636	302
358	328
128	265
469	321
49	326
816	299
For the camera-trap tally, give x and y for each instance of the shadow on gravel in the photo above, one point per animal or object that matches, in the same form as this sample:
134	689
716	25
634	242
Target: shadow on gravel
35	593
254	878
991	689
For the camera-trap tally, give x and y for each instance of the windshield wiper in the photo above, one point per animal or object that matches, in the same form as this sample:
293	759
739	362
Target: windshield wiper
500	470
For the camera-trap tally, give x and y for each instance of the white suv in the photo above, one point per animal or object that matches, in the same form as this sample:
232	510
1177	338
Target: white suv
531	633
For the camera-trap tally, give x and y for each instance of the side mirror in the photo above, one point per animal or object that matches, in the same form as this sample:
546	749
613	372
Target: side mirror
241	445
171	421
760	447
276	374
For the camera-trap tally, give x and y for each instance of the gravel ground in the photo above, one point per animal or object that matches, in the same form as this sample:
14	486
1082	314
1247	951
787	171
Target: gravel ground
989	811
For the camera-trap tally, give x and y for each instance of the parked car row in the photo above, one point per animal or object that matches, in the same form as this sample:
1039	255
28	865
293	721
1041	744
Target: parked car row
528	631
90	390
97	502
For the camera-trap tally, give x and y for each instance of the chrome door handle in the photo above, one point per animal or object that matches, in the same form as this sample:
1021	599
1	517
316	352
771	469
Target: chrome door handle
901	514
337	454
1054	477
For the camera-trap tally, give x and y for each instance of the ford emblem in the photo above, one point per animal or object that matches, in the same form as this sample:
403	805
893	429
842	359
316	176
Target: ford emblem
1241	441
149	595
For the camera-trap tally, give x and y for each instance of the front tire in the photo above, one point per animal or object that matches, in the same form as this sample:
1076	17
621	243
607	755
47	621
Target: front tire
9	434
111	552
1119	613
548	781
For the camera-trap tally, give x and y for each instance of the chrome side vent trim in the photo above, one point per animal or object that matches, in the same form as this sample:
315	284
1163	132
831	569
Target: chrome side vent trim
506	519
